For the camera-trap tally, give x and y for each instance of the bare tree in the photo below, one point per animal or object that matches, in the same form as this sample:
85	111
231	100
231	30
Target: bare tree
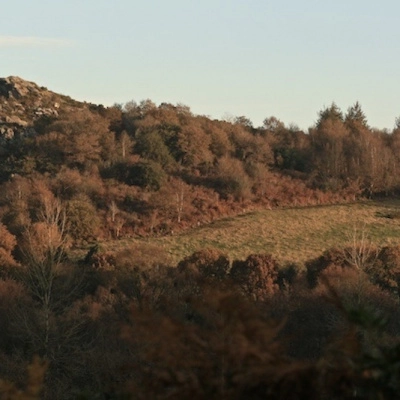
54	326
116	220
43	247
179	197
360	252
113	210
126	144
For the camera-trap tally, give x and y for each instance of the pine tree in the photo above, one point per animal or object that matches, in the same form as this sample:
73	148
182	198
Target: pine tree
356	114
332	112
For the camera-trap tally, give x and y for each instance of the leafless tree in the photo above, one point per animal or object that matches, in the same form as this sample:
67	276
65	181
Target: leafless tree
360	252
44	270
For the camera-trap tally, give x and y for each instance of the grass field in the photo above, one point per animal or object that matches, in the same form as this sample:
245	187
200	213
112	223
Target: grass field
291	234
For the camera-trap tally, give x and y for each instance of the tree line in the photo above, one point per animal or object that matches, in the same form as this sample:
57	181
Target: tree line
140	169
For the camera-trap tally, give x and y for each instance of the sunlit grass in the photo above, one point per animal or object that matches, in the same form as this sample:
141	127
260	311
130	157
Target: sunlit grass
292	234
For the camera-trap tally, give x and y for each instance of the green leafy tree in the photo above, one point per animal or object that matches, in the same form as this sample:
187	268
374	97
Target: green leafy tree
150	145
82	218
146	174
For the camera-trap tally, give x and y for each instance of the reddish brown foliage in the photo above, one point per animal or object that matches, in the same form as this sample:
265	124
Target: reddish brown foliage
257	275
209	263
7	245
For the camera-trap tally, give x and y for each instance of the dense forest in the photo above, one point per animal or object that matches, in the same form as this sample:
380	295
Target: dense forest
91	324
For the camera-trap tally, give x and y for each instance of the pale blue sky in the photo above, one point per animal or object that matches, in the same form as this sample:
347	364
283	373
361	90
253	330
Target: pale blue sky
258	58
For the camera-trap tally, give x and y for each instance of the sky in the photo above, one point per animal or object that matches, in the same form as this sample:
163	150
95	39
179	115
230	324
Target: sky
222	58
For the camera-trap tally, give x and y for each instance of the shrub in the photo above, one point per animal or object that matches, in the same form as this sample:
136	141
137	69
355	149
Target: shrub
385	271
231	179
288	274
82	218
209	263
329	257
257	275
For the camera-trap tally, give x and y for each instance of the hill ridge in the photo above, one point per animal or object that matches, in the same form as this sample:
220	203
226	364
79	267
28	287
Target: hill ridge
23	102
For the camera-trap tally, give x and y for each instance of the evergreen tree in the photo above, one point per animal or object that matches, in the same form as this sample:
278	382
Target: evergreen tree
356	114
332	113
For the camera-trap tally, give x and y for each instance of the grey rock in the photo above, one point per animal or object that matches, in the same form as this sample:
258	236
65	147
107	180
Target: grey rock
16	120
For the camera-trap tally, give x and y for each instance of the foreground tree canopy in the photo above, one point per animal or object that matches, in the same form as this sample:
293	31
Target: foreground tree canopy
129	325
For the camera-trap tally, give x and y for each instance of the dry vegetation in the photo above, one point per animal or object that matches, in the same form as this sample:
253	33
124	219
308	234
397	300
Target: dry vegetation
149	253
289	234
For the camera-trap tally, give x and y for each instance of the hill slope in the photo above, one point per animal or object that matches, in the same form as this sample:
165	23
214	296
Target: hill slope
148	170
23	102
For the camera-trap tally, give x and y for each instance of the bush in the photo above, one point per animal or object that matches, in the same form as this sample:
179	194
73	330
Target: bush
329	257
288	274
257	275
385	271
82	219
231	179
209	263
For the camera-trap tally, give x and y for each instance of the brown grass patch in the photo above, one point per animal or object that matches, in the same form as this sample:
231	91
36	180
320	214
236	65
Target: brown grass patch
290	234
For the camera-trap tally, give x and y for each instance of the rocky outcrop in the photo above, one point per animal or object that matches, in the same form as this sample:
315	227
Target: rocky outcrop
15	87
14	120
22	103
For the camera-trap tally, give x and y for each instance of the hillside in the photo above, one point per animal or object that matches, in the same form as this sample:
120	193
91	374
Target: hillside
142	170
147	252
22	103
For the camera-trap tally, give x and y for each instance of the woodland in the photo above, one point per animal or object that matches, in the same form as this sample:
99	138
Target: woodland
82	322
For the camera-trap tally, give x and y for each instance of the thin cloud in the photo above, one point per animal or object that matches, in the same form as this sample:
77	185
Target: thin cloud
32	41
